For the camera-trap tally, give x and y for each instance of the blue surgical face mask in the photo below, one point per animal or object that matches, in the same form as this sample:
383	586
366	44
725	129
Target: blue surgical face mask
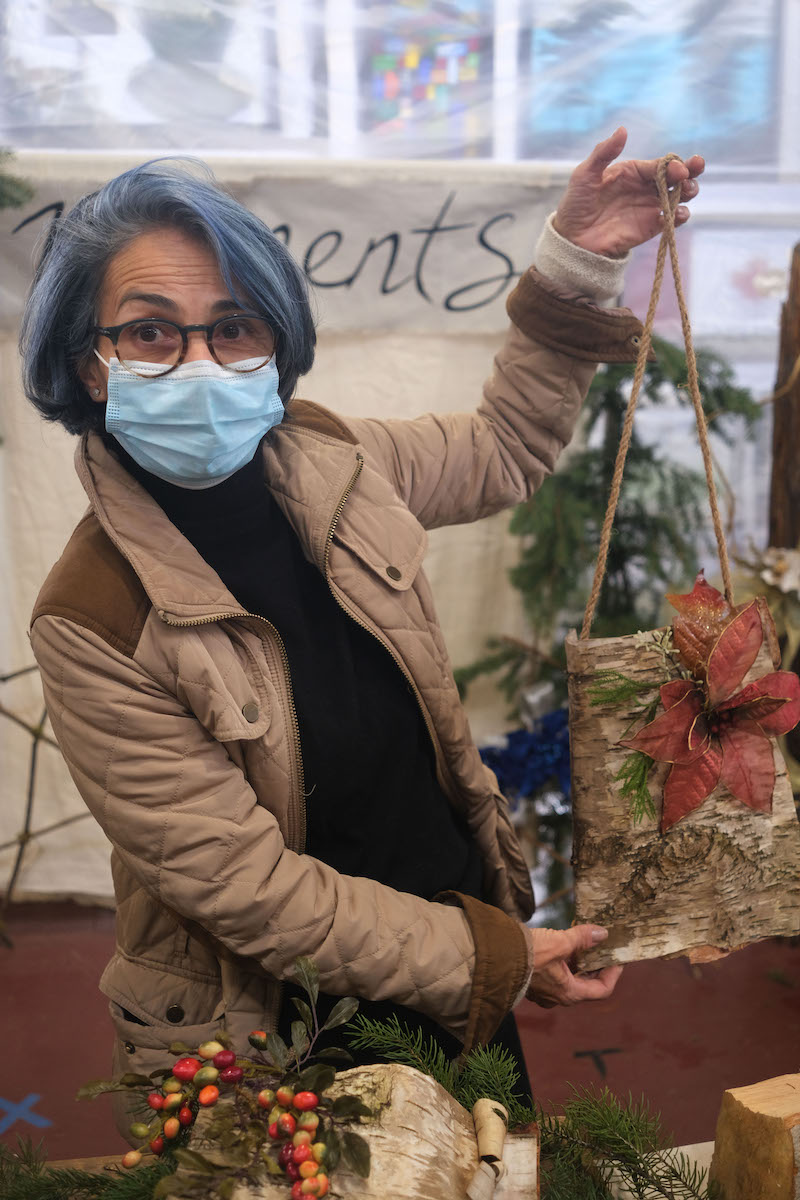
196	426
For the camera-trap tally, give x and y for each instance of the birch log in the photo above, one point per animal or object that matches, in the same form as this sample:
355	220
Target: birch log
720	878
422	1143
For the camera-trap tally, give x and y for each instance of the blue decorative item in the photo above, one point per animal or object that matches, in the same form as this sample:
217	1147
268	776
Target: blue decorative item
533	758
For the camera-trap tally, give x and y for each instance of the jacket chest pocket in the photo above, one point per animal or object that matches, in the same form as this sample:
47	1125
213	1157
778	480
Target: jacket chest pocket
223	677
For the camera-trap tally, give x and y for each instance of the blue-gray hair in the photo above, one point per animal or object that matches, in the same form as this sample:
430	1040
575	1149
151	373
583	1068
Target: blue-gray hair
61	312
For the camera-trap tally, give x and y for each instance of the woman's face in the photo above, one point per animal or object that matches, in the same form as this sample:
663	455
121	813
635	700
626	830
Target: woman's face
164	274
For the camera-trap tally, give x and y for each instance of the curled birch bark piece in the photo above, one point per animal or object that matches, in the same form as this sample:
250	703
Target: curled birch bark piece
491	1124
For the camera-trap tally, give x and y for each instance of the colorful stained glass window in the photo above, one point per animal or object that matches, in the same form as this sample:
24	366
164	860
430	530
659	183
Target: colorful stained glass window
426	69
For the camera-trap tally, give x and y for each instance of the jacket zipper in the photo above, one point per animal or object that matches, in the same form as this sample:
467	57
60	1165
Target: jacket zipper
297	808
353	617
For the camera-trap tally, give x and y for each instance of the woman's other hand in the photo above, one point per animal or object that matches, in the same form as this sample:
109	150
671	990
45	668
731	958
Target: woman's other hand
610	207
552	981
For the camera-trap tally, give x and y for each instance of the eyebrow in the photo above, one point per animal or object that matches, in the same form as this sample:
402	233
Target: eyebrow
219	306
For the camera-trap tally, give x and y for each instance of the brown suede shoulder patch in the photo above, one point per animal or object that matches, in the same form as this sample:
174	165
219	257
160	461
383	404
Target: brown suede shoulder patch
501	966
320	420
578	329
95	586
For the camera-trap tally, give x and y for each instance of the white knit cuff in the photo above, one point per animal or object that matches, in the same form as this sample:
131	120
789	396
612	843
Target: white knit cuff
570	266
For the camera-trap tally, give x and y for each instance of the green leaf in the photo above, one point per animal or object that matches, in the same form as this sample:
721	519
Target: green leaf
167	1187
341	1012
305	1012
317	1078
97	1087
161	1073
299	1039
270	1163
350	1106
306	973
333	1152
179	1048
355	1152
195	1162
226	1188
335	1054
277	1050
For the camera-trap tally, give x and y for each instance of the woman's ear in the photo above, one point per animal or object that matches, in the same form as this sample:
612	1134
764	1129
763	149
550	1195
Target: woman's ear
93	374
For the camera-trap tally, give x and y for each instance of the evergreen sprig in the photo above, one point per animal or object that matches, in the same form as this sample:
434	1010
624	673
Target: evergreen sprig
633	775
600	1136
24	1175
615	689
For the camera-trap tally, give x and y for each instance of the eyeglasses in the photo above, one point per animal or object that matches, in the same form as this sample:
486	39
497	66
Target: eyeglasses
154	347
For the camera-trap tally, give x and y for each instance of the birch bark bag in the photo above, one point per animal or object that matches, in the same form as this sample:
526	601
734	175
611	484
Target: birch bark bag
685	716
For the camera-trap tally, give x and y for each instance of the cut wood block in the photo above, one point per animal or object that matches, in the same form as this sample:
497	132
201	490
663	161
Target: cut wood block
757	1147
422	1143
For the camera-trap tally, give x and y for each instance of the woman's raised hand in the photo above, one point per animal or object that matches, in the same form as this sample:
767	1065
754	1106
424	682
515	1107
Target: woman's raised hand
609	207
552	981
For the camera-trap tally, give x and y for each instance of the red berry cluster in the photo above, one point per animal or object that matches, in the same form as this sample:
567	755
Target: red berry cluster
193	1084
294	1121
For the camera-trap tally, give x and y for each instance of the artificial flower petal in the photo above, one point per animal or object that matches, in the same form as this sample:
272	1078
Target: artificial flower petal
671	737
780	685
703	614
702	604
688	785
679	689
734	654
748	765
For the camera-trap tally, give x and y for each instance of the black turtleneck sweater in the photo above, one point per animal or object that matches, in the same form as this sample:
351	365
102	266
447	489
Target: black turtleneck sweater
374	806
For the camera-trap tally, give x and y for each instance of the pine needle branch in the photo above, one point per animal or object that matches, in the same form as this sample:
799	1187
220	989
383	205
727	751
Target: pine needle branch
614	688
397	1043
633	775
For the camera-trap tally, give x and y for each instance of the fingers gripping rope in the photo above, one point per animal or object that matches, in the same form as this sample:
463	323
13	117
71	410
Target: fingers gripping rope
669	203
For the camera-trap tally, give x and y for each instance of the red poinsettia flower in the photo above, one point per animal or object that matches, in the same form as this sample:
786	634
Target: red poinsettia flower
709	731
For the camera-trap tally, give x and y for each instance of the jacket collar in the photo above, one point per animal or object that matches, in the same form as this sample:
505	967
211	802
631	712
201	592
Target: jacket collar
307	471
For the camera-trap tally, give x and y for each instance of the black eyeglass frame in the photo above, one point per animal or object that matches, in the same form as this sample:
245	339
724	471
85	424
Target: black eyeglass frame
113	333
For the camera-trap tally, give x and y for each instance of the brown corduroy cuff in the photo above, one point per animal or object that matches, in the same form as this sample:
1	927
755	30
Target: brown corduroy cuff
501	966
575	328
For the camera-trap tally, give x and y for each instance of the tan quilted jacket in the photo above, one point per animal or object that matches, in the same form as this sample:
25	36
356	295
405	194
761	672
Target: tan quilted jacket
173	708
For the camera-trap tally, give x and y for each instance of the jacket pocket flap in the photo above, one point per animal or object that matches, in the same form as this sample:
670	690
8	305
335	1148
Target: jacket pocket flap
381	532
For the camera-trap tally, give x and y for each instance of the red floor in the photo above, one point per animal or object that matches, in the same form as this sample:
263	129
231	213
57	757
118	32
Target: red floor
681	1035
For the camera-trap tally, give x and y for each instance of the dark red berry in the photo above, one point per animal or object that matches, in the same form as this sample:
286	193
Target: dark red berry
231	1075
224	1058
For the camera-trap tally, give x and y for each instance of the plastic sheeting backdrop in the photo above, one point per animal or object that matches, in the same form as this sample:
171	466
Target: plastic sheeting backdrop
511	80
517	82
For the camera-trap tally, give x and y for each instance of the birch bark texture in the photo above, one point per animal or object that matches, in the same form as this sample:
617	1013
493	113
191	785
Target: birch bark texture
720	878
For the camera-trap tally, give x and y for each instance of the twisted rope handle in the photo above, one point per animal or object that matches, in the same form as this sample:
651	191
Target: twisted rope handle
669	203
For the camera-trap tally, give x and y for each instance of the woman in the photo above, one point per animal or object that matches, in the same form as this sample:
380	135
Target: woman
239	651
